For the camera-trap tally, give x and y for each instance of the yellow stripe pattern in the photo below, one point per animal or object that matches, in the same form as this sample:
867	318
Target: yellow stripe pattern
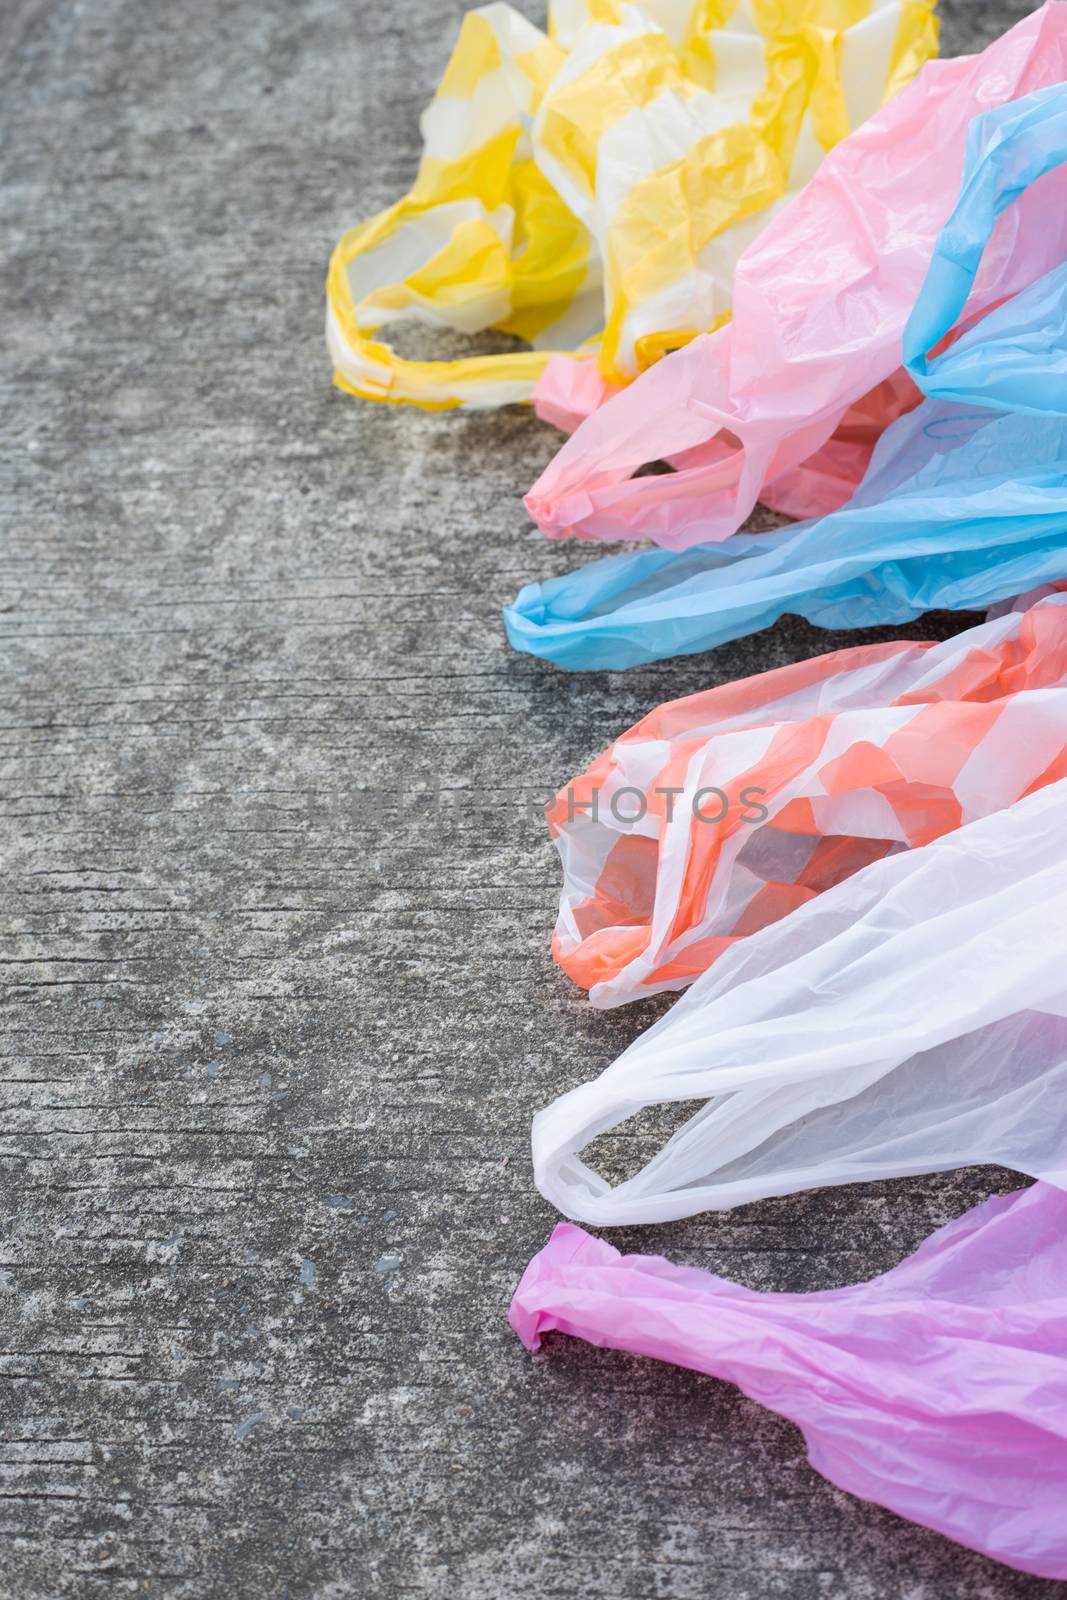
590	188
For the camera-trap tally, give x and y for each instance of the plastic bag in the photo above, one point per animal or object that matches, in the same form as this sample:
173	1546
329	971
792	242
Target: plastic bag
598	183
959	511
722	812
964	502
820	302
827	480
911	1019
946	535
570	389
938	1390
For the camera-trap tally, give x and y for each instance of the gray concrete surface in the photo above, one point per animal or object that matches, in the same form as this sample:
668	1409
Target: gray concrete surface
278	998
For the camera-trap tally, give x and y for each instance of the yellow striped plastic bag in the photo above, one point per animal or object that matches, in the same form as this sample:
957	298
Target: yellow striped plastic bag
589	190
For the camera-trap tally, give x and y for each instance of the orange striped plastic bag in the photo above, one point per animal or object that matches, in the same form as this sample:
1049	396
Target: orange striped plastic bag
722	812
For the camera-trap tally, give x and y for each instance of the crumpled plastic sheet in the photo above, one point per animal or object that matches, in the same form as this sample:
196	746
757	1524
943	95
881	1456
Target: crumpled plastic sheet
571	389
820	302
828	479
965	500
911	1019
593	187
938	1390
719	813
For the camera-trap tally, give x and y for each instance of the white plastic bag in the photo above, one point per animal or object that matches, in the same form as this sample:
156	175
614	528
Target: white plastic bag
912	1019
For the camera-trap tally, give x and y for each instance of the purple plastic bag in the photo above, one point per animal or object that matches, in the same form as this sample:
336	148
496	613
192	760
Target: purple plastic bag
938	1390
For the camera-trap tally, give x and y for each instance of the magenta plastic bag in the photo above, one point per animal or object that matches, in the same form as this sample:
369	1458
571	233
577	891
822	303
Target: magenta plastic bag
938	1390
820	304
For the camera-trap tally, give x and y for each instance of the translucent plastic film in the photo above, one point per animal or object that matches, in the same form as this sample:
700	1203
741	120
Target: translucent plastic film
958	513
717	814
964	502
821	300
911	1019
592	187
938	1390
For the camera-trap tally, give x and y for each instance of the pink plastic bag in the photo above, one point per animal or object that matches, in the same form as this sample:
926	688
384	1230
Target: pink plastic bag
828	479
571	390
938	1390
820	302
718	814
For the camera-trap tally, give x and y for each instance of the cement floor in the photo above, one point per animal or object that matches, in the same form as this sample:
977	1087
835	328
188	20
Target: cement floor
277	901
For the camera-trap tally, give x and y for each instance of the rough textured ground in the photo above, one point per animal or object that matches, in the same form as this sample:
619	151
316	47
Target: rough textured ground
277	898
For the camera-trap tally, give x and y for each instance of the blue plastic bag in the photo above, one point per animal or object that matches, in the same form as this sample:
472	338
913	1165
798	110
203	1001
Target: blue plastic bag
965	500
